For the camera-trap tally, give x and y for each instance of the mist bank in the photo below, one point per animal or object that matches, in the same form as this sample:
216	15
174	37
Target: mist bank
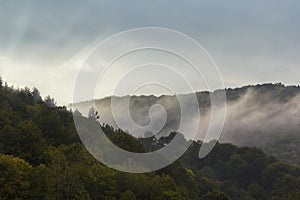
256	115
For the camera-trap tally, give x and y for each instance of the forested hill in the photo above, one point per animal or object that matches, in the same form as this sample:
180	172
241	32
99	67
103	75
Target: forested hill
41	157
266	116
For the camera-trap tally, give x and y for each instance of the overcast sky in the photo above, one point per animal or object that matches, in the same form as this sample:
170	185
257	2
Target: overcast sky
42	43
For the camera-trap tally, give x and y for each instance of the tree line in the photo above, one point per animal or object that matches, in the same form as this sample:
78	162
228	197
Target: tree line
42	157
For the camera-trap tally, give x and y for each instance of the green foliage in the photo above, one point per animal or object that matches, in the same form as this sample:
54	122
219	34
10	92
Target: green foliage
257	191
216	196
286	148
123	140
294	196
128	195
39	182
45	160
14	179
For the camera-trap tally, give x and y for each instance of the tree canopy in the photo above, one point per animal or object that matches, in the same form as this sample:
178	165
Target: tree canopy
42	157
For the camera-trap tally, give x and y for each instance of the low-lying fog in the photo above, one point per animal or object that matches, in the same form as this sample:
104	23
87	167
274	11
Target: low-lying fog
255	115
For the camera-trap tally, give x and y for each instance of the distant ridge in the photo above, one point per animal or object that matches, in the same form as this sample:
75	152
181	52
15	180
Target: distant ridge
257	115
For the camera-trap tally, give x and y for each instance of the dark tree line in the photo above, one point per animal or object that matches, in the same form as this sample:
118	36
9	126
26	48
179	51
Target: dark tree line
41	157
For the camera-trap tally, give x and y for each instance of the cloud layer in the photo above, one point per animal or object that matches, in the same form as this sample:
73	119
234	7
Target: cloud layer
48	40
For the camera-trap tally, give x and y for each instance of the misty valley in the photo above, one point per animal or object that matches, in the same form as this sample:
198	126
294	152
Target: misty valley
257	156
265	116
149	100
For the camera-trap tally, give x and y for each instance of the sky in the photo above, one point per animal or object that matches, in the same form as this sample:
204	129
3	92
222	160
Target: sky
43	43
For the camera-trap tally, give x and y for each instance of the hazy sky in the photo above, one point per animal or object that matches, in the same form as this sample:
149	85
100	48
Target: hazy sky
42	43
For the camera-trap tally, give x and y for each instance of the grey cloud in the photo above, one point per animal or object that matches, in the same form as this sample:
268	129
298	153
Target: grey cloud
246	38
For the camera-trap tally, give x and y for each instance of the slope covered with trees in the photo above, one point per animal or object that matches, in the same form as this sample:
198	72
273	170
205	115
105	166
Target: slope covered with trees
263	115
41	157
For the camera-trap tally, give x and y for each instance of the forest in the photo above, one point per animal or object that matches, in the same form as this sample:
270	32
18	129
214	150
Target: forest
268	112
42	157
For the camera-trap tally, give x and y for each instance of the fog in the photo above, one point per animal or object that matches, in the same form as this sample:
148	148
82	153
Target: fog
255	116
255	120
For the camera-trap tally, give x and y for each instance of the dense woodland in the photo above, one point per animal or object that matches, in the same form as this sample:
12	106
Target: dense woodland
268	113
43	158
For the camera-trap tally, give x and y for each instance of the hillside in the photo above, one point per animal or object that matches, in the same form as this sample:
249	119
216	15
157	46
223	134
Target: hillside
261	115
41	157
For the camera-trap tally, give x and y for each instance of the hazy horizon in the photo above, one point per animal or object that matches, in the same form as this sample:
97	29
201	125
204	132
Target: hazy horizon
43	94
44	44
